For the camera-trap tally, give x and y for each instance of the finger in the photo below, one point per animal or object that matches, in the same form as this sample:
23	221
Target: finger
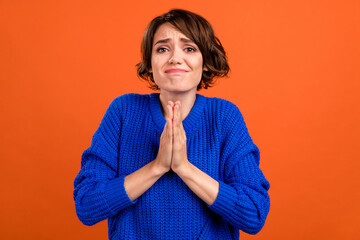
171	104
176	138
178	131
165	133
170	117
177	114
168	125
170	112
169	128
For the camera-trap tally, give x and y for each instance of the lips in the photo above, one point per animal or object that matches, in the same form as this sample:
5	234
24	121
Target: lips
175	70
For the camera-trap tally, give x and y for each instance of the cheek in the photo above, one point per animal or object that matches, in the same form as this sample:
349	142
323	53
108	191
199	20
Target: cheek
156	69
155	63
198	64
198	61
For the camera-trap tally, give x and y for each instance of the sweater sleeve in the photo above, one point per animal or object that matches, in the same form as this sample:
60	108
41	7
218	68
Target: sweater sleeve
99	192
243	199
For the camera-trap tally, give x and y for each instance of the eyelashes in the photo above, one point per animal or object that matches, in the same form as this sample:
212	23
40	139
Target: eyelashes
164	49
161	49
191	49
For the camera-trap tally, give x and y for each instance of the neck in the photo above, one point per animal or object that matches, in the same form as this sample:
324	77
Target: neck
187	101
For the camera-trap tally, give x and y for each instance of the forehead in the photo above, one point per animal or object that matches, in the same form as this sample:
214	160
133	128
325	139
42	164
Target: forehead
167	30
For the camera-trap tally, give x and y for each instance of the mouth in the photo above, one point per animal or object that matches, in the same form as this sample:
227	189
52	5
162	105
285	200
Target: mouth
175	70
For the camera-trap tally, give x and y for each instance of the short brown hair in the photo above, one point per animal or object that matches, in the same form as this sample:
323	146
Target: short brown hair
199	30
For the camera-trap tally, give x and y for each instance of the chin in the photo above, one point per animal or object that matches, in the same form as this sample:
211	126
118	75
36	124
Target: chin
177	86
179	90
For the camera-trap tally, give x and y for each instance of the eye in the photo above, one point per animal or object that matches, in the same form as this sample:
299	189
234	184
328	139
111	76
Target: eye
190	49
161	49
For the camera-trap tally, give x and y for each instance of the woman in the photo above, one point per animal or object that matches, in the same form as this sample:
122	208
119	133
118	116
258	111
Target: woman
174	164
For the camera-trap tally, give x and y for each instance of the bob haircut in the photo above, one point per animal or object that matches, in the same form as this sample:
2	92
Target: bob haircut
200	32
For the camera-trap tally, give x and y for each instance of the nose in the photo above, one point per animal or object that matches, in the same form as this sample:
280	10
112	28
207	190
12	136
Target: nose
176	57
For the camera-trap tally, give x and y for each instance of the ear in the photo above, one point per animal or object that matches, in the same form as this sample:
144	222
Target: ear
150	70
205	69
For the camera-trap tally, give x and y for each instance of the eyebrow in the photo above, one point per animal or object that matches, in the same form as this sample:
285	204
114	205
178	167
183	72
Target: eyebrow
185	40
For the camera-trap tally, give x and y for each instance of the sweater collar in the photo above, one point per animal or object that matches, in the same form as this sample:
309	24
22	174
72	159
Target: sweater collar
189	122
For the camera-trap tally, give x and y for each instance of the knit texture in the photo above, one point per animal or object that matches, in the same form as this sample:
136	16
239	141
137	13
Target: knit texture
218	143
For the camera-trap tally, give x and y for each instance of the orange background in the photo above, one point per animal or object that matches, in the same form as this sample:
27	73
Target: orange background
295	77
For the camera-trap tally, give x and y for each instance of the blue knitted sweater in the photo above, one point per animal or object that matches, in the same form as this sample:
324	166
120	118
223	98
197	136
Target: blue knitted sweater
218	143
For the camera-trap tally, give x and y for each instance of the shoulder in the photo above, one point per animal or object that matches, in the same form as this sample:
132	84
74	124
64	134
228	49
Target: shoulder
220	103
130	100
224	108
127	103
229	119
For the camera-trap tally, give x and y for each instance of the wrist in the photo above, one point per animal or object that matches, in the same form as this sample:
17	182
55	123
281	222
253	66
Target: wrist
157	169
183	169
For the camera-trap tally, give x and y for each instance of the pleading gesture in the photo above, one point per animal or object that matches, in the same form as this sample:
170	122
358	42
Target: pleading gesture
172	150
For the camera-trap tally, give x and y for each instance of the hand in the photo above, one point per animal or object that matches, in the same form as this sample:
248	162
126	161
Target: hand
179	151
163	159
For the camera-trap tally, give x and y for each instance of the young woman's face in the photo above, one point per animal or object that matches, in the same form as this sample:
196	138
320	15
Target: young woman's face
176	61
